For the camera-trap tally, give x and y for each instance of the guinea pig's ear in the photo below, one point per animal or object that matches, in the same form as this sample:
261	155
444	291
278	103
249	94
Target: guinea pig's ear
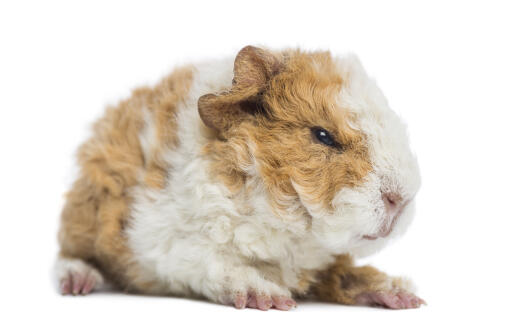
253	68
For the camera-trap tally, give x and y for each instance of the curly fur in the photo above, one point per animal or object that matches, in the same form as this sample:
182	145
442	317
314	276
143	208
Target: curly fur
212	184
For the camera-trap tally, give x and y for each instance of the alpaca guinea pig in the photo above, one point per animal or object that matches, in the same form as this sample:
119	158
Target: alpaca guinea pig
251	181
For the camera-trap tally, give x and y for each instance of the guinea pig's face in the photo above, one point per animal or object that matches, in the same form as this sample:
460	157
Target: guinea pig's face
324	143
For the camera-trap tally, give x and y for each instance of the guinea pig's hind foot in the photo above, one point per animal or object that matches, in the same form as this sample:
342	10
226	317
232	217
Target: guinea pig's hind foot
263	302
77	277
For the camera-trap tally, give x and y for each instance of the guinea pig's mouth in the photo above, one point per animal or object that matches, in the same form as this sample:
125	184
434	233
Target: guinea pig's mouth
387	225
385	229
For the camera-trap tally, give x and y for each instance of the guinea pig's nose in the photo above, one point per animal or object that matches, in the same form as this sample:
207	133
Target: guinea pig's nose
393	203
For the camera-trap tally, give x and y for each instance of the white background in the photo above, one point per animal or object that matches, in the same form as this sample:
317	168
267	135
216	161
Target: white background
445	67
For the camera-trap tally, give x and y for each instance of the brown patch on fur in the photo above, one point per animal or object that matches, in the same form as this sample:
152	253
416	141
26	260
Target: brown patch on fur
161	103
290	100
111	161
342	282
227	162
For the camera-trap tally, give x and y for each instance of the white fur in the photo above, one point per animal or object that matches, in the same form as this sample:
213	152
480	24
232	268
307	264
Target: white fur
395	168
192	237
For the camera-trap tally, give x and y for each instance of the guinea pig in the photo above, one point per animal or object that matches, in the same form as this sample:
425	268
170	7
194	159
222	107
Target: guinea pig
250	182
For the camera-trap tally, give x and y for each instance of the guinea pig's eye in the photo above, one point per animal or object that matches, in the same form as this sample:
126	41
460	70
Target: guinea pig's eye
324	137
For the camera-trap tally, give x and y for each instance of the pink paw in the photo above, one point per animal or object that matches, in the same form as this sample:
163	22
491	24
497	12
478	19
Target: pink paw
390	299
75	276
263	302
77	283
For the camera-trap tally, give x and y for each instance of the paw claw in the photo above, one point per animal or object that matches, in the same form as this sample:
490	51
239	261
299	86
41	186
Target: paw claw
252	303
283	303
240	301
65	286
264	302
89	284
78	281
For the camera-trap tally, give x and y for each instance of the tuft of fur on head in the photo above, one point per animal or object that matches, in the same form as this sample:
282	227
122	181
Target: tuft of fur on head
265	126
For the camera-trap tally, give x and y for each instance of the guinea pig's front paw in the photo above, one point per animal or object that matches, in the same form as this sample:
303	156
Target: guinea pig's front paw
390	299
263	301
247	287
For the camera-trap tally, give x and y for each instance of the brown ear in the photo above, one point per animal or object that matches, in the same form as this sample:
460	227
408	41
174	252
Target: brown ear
253	68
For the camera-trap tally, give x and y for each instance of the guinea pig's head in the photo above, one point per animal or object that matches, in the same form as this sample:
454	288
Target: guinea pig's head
318	136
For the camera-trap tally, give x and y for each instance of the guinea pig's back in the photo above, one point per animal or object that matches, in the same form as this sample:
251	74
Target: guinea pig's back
126	150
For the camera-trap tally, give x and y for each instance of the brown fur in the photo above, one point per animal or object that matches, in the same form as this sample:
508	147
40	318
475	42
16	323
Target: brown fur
343	282
111	161
275	114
